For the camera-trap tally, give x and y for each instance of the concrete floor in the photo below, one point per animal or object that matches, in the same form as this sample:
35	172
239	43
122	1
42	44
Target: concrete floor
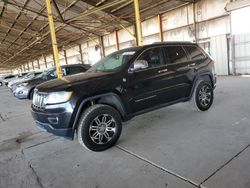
174	147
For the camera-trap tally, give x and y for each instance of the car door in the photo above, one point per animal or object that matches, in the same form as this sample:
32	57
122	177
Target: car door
178	61
149	87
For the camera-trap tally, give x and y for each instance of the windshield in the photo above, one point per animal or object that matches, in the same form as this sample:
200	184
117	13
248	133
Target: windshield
42	74
30	75
112	62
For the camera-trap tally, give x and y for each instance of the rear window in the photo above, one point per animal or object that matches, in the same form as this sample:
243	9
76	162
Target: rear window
175	54
195	53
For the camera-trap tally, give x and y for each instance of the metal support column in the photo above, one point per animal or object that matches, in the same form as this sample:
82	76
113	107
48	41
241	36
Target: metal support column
38	64
117	40
33	67
65	56
138	23
102	46
194	24
81	56
53	38
160	27
45	61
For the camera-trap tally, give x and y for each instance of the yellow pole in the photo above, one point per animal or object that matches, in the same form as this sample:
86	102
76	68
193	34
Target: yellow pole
138	22
53	38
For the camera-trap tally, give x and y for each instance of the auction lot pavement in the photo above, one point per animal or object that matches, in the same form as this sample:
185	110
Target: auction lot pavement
174	147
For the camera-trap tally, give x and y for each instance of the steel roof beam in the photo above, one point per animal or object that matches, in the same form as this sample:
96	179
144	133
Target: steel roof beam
18	15
58	11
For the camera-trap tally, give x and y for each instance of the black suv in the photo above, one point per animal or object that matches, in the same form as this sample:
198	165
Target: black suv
124	84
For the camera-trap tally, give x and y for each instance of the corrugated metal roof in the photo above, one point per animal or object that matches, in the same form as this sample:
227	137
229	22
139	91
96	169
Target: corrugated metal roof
24	31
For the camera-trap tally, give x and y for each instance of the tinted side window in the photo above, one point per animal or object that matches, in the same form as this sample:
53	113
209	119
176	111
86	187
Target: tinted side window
153	56
53	73
194	52
175	54
74	70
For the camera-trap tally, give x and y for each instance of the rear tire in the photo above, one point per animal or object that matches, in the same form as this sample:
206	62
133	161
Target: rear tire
99	127
203	95
1	84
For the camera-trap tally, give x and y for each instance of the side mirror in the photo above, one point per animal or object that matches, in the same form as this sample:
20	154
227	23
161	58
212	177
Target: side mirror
139	65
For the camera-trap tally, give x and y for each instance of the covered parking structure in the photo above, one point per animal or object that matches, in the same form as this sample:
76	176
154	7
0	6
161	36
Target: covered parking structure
173	147
89	30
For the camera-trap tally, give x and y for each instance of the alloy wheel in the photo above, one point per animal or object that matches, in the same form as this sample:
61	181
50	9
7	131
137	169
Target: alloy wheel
205	95
102	129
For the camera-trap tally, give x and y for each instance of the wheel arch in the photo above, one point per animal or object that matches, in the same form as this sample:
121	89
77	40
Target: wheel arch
206	76
110	99
30	91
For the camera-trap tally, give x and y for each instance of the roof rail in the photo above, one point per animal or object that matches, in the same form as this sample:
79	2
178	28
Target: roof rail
174	42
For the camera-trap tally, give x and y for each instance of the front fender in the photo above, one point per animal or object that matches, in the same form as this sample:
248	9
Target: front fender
111	99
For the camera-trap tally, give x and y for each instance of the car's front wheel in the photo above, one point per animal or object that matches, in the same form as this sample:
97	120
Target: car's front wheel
203	95
99	127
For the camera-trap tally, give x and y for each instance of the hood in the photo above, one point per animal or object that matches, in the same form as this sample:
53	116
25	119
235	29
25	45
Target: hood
35	81
67	82
18	80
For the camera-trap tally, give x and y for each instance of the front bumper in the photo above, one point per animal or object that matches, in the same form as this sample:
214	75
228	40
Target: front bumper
58	132
55	119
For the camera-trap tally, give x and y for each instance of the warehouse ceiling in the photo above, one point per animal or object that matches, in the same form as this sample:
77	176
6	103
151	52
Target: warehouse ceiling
24	29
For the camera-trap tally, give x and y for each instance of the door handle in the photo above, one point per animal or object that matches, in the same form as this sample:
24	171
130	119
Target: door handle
162	71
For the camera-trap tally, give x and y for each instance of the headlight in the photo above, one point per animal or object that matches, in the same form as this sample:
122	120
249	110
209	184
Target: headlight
57	97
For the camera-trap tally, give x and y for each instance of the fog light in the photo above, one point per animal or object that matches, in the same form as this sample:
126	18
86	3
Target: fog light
53	120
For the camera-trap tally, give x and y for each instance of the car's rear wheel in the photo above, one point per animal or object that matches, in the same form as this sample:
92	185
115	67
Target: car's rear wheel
1	84
203	95
99	127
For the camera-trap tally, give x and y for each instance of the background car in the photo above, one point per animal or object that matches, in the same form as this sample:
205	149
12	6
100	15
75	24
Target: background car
6	79
24	78
2	78
13	77
25	90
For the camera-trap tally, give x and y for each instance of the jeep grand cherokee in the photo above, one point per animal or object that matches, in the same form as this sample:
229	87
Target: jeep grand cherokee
124	84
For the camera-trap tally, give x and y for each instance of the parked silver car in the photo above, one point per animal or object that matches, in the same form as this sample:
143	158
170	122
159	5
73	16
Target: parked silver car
27	77
13	77
2	78
25	90
5	79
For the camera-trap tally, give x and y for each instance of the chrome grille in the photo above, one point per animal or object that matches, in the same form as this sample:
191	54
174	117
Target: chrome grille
39	100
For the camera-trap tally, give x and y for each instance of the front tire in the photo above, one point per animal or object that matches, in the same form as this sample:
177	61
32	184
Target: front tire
203	95
99	127
31	94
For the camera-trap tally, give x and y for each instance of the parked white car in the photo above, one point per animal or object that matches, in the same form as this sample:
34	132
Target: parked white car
3	78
